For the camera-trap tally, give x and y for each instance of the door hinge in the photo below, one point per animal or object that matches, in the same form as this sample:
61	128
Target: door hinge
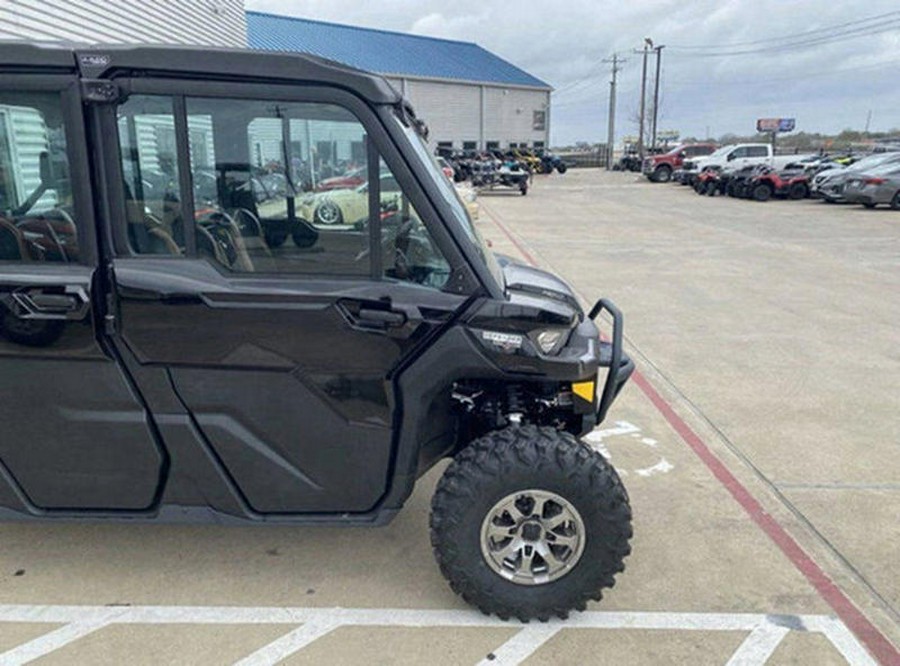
100	91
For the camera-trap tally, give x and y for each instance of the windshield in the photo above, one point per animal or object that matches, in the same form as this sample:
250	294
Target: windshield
874	160
451	196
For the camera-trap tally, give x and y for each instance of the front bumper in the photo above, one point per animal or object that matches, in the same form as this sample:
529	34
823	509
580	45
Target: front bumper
613	357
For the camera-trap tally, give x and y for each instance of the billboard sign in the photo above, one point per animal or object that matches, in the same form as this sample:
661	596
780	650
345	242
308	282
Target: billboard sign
776	124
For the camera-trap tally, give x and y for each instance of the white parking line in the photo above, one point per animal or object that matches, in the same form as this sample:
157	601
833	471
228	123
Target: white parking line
759	645
766	631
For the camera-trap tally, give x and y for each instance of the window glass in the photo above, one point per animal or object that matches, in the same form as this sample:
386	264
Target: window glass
757	151
470	145
409	253
738	153
284	187
36	214
150	170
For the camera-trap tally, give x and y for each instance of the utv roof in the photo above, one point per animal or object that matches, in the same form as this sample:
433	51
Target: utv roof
111	61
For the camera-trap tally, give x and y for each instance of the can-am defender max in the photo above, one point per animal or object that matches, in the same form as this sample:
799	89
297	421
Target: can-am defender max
183	341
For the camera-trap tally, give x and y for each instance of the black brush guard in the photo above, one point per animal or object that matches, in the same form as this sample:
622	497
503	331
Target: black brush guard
612	357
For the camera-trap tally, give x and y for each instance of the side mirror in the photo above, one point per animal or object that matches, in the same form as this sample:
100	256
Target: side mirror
730	157
682	154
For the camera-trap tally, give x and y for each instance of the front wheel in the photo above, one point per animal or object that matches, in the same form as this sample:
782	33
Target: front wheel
663	174
762	192
562	168
527	522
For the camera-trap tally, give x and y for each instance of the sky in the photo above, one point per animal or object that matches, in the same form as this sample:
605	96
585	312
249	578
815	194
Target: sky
725	62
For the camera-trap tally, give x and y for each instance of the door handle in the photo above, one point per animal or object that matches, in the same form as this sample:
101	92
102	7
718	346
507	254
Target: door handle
385	318
69	302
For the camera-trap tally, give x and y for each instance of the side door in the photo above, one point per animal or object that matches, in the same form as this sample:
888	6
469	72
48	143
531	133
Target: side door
279	305
758	154
737	158
75	433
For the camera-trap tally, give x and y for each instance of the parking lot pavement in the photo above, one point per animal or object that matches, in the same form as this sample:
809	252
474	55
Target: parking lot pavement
709	581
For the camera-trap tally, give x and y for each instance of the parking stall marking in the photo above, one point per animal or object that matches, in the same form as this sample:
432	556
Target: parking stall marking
597	437
854	619
765	631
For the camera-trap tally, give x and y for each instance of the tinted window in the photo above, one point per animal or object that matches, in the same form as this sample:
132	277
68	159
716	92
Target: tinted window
150	169
757	151
36	214
738	153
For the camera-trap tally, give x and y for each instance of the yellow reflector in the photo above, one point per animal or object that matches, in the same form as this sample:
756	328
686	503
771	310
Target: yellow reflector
584	390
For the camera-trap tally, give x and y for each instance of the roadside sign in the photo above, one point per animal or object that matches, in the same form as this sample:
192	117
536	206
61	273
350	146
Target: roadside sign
776	124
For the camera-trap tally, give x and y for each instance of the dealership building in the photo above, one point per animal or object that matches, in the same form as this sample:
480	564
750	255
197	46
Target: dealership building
469	97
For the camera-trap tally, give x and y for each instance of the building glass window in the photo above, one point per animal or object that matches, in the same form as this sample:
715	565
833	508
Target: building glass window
470	145
539	120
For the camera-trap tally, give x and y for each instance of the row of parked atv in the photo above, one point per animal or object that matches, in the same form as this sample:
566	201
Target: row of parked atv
759	182
867	179
489	169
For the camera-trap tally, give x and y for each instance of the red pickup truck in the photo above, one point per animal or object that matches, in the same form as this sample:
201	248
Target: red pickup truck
659	168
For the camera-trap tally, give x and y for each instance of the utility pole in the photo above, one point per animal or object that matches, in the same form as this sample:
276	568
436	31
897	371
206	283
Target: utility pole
868	121
648	44
658	50
611	128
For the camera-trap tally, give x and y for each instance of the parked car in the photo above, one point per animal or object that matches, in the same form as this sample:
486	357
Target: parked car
349	180
659	168
347	206
161	375
878	186
830	185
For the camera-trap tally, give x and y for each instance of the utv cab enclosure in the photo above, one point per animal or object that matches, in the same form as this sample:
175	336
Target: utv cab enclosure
180	342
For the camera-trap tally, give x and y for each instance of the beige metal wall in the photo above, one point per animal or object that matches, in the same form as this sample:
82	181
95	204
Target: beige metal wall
460	112
204	22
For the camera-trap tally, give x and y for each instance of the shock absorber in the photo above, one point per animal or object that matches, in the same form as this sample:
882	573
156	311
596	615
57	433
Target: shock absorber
515	404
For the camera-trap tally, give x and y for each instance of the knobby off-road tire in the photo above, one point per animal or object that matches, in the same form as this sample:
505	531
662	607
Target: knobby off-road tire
569	480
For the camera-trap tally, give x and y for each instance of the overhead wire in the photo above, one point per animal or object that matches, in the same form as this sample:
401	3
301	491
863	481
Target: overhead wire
788	37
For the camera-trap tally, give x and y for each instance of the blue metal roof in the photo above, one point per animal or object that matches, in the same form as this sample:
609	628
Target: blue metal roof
392	53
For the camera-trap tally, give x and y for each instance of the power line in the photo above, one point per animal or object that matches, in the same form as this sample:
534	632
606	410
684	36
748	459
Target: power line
866	31
787	37
794	78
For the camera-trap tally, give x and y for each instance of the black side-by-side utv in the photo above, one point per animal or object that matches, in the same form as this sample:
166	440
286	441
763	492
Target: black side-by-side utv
182	339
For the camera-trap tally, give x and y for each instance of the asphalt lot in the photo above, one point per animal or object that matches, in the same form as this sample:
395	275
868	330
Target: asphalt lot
758	446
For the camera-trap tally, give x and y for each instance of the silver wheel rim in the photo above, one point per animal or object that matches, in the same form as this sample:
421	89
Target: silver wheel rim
532	537
328	213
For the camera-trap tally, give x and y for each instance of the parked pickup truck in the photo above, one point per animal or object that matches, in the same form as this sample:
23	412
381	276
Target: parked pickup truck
659	168
734	157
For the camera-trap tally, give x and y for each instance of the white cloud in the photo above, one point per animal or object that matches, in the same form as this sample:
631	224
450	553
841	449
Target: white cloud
827	86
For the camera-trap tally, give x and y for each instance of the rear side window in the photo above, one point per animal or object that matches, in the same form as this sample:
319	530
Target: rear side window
36	212
150	172
757	151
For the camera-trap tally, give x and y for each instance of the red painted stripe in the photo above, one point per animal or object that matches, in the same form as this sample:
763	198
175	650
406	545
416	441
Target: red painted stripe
876	642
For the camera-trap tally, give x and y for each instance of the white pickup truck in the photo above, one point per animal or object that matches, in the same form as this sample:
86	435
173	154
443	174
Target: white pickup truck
736	156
